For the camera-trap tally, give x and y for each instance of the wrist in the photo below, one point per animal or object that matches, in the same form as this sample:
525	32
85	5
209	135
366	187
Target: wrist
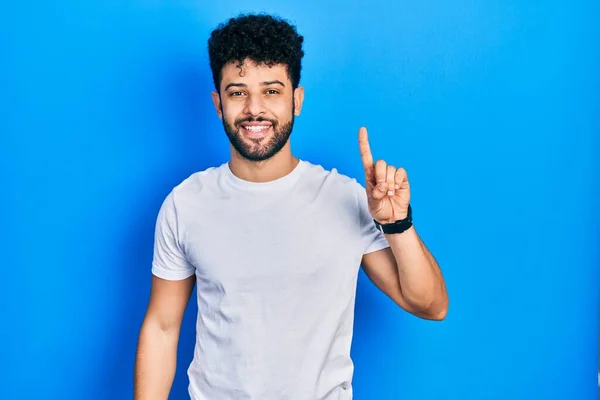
391	221
396	226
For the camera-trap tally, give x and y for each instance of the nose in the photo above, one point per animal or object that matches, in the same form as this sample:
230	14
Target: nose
254	106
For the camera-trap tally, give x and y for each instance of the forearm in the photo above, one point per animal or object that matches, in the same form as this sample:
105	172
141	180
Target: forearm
155	363
421	280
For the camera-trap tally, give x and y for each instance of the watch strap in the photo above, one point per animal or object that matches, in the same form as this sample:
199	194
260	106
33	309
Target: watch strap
397	226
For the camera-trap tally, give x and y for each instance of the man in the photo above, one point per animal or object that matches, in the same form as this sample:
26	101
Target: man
275	243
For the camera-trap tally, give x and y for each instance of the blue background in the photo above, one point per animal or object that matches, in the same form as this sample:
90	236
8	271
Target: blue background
493	108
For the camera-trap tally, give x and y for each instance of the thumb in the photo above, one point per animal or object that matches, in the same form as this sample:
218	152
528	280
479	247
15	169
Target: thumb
379	191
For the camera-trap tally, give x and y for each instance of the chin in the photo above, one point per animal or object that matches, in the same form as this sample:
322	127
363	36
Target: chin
258	145
256	157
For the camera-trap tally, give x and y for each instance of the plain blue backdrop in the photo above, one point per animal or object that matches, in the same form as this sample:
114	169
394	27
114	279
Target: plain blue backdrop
492	107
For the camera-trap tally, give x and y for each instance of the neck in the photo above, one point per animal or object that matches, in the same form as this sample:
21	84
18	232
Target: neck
274	168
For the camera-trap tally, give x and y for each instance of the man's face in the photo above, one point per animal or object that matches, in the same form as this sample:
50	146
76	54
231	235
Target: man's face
257	107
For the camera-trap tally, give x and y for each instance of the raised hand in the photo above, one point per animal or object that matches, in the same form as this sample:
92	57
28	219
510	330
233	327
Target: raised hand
388	191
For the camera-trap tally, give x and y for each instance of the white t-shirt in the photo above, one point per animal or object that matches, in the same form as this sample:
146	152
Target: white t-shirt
276	265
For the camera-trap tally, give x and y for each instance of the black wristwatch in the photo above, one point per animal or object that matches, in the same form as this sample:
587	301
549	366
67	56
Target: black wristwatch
398	226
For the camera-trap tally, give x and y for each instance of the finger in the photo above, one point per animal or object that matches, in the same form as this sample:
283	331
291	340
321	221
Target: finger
365	150
390	179
381	186
379	191
400	177
380	171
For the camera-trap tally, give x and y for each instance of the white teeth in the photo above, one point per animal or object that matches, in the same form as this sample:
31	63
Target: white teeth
256	128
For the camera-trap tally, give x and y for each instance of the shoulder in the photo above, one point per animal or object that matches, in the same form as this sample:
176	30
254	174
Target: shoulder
198	181
333	185
333	176
320	172
188	190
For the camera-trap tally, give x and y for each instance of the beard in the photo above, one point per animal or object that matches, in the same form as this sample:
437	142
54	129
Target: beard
257	150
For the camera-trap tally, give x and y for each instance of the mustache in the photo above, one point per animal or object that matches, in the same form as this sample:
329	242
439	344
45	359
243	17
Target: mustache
251	119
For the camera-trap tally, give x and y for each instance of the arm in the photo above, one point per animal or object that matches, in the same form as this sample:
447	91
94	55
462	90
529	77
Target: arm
408	273
405	271
159	335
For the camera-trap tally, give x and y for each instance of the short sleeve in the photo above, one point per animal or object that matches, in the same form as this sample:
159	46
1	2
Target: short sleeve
169	261
372	239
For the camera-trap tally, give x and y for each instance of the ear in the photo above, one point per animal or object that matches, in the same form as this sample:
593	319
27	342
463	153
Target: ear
217	102
298	99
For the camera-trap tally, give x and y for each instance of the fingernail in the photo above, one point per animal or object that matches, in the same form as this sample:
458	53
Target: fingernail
397	186
390	193
382	187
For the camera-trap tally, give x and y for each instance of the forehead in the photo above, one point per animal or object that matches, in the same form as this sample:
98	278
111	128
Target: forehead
253	73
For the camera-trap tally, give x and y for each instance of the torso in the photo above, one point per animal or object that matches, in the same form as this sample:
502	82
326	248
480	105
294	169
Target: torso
276	267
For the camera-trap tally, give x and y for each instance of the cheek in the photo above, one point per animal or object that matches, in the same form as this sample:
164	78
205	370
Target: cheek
231	112
281	109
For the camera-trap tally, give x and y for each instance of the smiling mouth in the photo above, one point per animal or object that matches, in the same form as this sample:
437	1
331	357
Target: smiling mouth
256	128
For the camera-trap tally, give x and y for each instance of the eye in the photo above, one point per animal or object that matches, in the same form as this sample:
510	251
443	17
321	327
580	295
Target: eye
236	94
272	91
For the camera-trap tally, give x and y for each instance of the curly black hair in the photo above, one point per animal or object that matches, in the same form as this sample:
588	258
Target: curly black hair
262	38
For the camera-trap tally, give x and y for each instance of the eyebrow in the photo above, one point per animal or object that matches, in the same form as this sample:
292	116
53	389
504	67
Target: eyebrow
265	83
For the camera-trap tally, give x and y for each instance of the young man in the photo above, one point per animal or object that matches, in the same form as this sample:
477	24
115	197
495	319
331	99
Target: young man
275	243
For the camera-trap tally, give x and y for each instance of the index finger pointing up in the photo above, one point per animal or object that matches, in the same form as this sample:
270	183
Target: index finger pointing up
365	149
